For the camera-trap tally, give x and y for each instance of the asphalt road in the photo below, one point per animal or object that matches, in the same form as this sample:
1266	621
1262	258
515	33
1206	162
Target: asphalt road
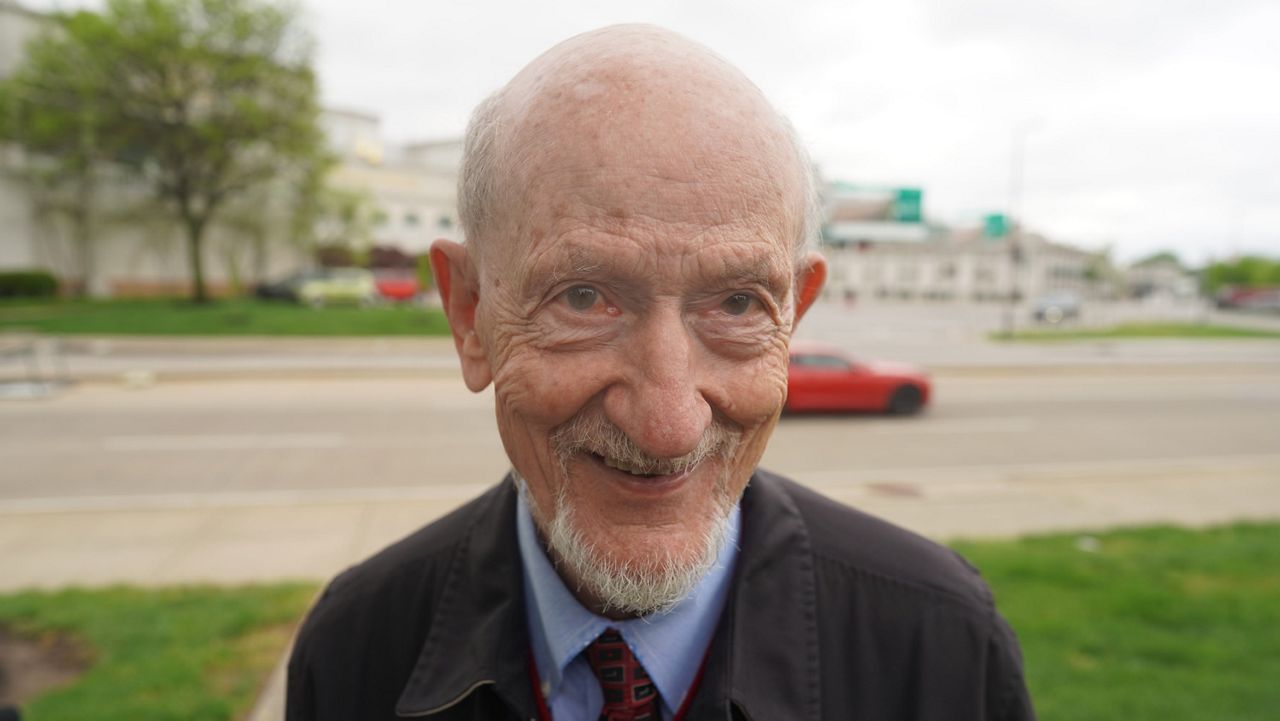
190	443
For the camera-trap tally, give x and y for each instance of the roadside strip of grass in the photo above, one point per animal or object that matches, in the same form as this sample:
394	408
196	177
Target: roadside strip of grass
226	317
1128	331
1155	624
180	654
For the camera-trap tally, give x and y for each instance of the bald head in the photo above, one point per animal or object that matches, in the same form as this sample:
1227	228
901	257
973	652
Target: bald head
634	96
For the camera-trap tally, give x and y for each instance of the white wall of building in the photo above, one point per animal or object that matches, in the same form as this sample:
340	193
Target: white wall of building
956	269
412	188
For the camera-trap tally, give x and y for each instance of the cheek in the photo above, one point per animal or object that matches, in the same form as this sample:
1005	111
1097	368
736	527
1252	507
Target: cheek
546	389
751	394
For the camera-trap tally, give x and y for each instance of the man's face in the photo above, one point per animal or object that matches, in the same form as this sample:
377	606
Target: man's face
658	306
632	303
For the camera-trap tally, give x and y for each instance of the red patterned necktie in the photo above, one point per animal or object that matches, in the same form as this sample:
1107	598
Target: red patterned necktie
629	695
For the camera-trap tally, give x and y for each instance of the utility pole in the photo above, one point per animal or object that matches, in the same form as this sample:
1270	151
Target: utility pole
1017	251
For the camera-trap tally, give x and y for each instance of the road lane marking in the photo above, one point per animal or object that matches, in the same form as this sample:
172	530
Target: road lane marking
956	426
234	499
211	442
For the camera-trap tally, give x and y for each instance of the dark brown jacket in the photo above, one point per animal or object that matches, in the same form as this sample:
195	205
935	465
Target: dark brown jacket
833	615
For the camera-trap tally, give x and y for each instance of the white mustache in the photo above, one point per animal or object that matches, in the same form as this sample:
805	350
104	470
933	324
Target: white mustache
593	433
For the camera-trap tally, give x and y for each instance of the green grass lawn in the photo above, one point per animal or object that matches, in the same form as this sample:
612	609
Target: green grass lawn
227	317
1157	624
182	654
1139	330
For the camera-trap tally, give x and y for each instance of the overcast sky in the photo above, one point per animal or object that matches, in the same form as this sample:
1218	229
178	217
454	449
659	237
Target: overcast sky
1147	124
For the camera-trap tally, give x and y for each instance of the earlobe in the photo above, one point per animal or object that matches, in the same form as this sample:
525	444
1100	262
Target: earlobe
810	277
458	282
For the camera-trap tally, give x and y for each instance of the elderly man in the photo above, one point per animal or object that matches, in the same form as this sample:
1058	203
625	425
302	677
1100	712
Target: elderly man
636	261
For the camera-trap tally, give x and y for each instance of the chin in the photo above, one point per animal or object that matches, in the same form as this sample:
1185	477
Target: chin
656	570
630	570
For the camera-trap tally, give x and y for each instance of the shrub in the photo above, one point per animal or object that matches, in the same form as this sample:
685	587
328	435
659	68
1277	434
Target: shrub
335	256
28	284
387	256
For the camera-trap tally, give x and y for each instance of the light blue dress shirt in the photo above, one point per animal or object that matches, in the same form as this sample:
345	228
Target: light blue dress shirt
670	646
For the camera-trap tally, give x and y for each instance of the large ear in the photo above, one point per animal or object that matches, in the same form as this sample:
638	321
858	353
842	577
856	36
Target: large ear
810	275
459	285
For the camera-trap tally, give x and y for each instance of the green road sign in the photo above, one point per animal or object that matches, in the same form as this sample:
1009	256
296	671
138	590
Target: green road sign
995	225
908	205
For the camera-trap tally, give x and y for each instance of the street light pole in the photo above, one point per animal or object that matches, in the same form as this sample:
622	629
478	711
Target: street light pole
1017	167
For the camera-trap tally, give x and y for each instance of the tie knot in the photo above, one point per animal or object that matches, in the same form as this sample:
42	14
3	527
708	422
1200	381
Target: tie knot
629	694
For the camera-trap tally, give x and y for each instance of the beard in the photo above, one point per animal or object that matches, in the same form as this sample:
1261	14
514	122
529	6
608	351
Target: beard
624	586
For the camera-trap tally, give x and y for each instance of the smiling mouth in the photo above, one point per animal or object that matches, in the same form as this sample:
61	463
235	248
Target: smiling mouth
638	472
623	466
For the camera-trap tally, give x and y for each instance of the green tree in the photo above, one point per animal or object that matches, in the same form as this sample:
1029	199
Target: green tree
1164	256
205	100
56	125
1249	271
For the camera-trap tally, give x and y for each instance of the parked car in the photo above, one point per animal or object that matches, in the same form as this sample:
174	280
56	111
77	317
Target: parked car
1056	307
335	286
286	288
824	378
1259	299
322	286
397	285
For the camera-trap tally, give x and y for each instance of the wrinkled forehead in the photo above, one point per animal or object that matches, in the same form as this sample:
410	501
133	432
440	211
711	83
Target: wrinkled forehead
645	127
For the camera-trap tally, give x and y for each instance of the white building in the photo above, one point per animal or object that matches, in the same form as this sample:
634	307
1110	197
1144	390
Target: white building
960	266
412	189
861	214
879	245
1160	277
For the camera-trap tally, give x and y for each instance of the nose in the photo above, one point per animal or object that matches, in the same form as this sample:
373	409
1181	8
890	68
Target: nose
659	403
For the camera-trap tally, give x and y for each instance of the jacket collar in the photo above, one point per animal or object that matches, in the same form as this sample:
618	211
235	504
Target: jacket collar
763	658
478	636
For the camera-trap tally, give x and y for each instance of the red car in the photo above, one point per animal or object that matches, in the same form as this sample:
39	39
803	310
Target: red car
824	378
399	286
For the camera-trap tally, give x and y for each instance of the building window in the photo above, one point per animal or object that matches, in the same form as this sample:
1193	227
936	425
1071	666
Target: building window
444	222
411	219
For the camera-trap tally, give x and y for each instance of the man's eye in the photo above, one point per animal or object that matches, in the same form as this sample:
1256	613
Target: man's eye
581	297
737	304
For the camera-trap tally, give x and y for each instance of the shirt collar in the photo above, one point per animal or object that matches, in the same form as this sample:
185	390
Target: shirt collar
670	646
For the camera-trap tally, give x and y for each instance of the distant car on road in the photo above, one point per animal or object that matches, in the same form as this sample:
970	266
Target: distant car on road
397	285
824	378
1056	307
337	286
